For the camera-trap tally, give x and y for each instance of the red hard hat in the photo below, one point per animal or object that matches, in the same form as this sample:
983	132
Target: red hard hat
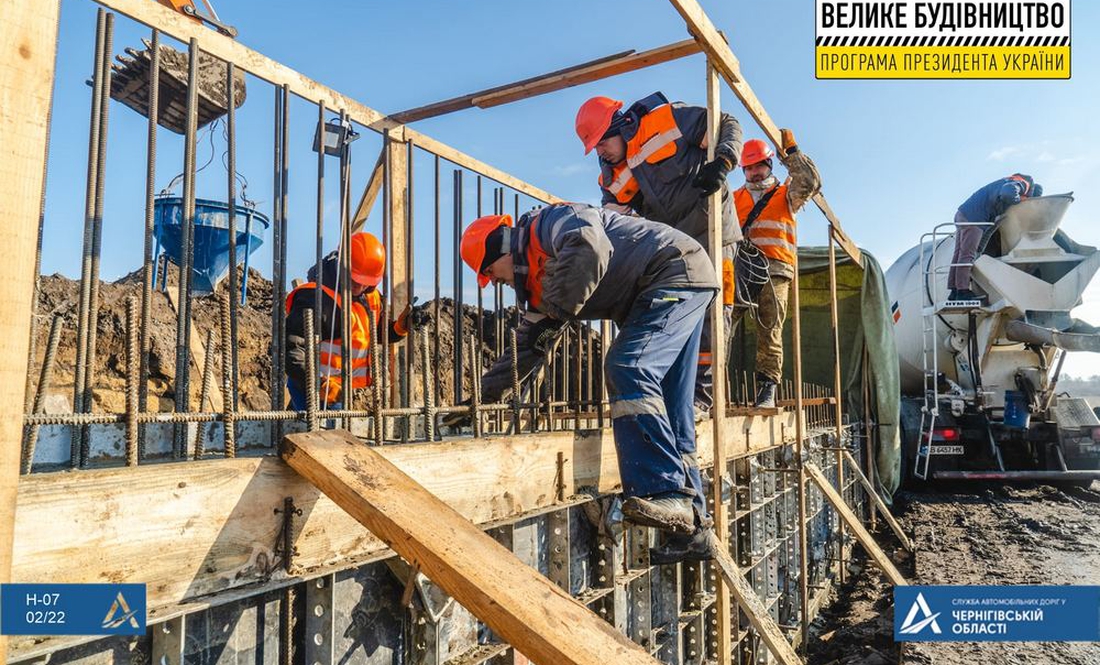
368	259
754	152
472	247
593	119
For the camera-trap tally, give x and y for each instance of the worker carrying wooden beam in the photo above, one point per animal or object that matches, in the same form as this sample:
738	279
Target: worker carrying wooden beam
653	163
574	261
766	210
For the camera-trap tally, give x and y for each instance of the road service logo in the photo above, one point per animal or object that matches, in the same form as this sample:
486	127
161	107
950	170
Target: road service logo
911	626
941	39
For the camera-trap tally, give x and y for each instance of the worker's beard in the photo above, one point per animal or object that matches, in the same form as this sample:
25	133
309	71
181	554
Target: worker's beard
766	183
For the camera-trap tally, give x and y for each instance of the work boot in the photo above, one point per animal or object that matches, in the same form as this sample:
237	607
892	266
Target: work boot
957	295
765	394
668	511
697	546
701	412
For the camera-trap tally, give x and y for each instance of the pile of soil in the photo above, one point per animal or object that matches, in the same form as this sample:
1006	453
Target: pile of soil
972	534
60	296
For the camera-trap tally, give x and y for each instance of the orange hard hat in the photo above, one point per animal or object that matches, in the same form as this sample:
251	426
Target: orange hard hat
754	152
472	247
593	120
368	259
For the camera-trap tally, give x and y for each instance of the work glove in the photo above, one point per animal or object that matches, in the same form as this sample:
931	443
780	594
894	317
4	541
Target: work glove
1036	191
787	143
411	318
712	175
544	341
458	420
331	391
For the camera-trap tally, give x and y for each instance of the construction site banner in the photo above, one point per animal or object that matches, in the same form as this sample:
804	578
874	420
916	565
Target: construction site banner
940	39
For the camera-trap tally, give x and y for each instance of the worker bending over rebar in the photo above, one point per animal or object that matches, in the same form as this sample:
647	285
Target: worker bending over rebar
574	261
367	267
653	163
766	210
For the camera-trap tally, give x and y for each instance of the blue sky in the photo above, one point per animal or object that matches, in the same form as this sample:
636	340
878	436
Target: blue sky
896	156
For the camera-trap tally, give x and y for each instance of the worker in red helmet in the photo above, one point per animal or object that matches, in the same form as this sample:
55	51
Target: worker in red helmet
571	262
653	163
368	266
766	211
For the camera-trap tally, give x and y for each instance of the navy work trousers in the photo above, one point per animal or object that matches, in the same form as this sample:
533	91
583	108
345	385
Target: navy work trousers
650	373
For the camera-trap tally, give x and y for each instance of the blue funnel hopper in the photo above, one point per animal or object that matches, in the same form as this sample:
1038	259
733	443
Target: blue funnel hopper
211	238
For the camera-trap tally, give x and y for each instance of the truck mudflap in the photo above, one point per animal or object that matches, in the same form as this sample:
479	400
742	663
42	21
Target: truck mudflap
1080	337
1075	475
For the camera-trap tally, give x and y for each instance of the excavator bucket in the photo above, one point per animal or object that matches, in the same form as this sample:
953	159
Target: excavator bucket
130	85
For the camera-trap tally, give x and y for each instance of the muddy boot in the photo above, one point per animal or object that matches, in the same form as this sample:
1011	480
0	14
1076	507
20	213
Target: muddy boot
698	546
765	394
669	511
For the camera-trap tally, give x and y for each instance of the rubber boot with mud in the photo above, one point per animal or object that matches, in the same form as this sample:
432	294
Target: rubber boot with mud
765	394
668	511
698	546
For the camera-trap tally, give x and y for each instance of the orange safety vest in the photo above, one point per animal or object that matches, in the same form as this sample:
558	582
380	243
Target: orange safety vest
331	351
536	264
774	230
654	141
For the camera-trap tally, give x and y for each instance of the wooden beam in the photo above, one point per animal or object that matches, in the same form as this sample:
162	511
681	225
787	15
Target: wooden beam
530	612
718	363
397	242
883	509
593	70
180	27
873	550
27	53
699	24
753	608
370	193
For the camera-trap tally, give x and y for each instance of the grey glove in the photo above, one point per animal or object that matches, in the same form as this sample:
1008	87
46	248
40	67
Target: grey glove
458	419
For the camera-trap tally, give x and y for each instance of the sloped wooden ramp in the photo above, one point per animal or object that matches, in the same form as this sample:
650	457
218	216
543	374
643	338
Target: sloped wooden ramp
530	612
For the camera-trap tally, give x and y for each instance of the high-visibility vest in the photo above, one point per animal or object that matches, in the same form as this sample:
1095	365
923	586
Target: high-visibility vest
330	352
654	141
536	264
775	229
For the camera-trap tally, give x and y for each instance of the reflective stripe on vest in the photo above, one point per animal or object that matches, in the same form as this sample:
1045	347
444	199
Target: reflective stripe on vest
330	352
654	141
775	229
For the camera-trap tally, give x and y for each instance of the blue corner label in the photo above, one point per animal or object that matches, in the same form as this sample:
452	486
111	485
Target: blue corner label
997	613
72	609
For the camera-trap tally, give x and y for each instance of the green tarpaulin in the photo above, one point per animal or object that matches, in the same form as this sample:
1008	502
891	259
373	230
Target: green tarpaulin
865	324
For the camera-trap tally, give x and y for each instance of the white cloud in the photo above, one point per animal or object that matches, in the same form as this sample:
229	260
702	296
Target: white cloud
1000	154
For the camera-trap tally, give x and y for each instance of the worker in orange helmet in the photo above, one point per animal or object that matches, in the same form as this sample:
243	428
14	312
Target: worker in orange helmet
653	163
766	211
571	262
368	266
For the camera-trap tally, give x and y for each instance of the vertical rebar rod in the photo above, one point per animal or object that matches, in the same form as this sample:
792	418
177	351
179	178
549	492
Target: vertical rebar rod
437	312
89	222
514	350
475	387
311	370
801	454
410	282
45	378
183	327
426	387
229	375
231	195
387	240
479	332
276	237
204	394
279	287
319	238
147	265
346	398
133	377
376	387
457	262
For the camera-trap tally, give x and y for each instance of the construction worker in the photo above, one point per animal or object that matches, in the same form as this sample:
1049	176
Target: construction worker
368	265
653	163
975	219
766	210
573	261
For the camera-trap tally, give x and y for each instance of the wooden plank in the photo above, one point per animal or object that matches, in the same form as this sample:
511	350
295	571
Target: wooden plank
27	52
716	48
180	27
879	503
718	387
370	194
529	611
397	176
754	609
873	550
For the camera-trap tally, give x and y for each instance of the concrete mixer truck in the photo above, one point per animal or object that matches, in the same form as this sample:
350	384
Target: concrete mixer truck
979	379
